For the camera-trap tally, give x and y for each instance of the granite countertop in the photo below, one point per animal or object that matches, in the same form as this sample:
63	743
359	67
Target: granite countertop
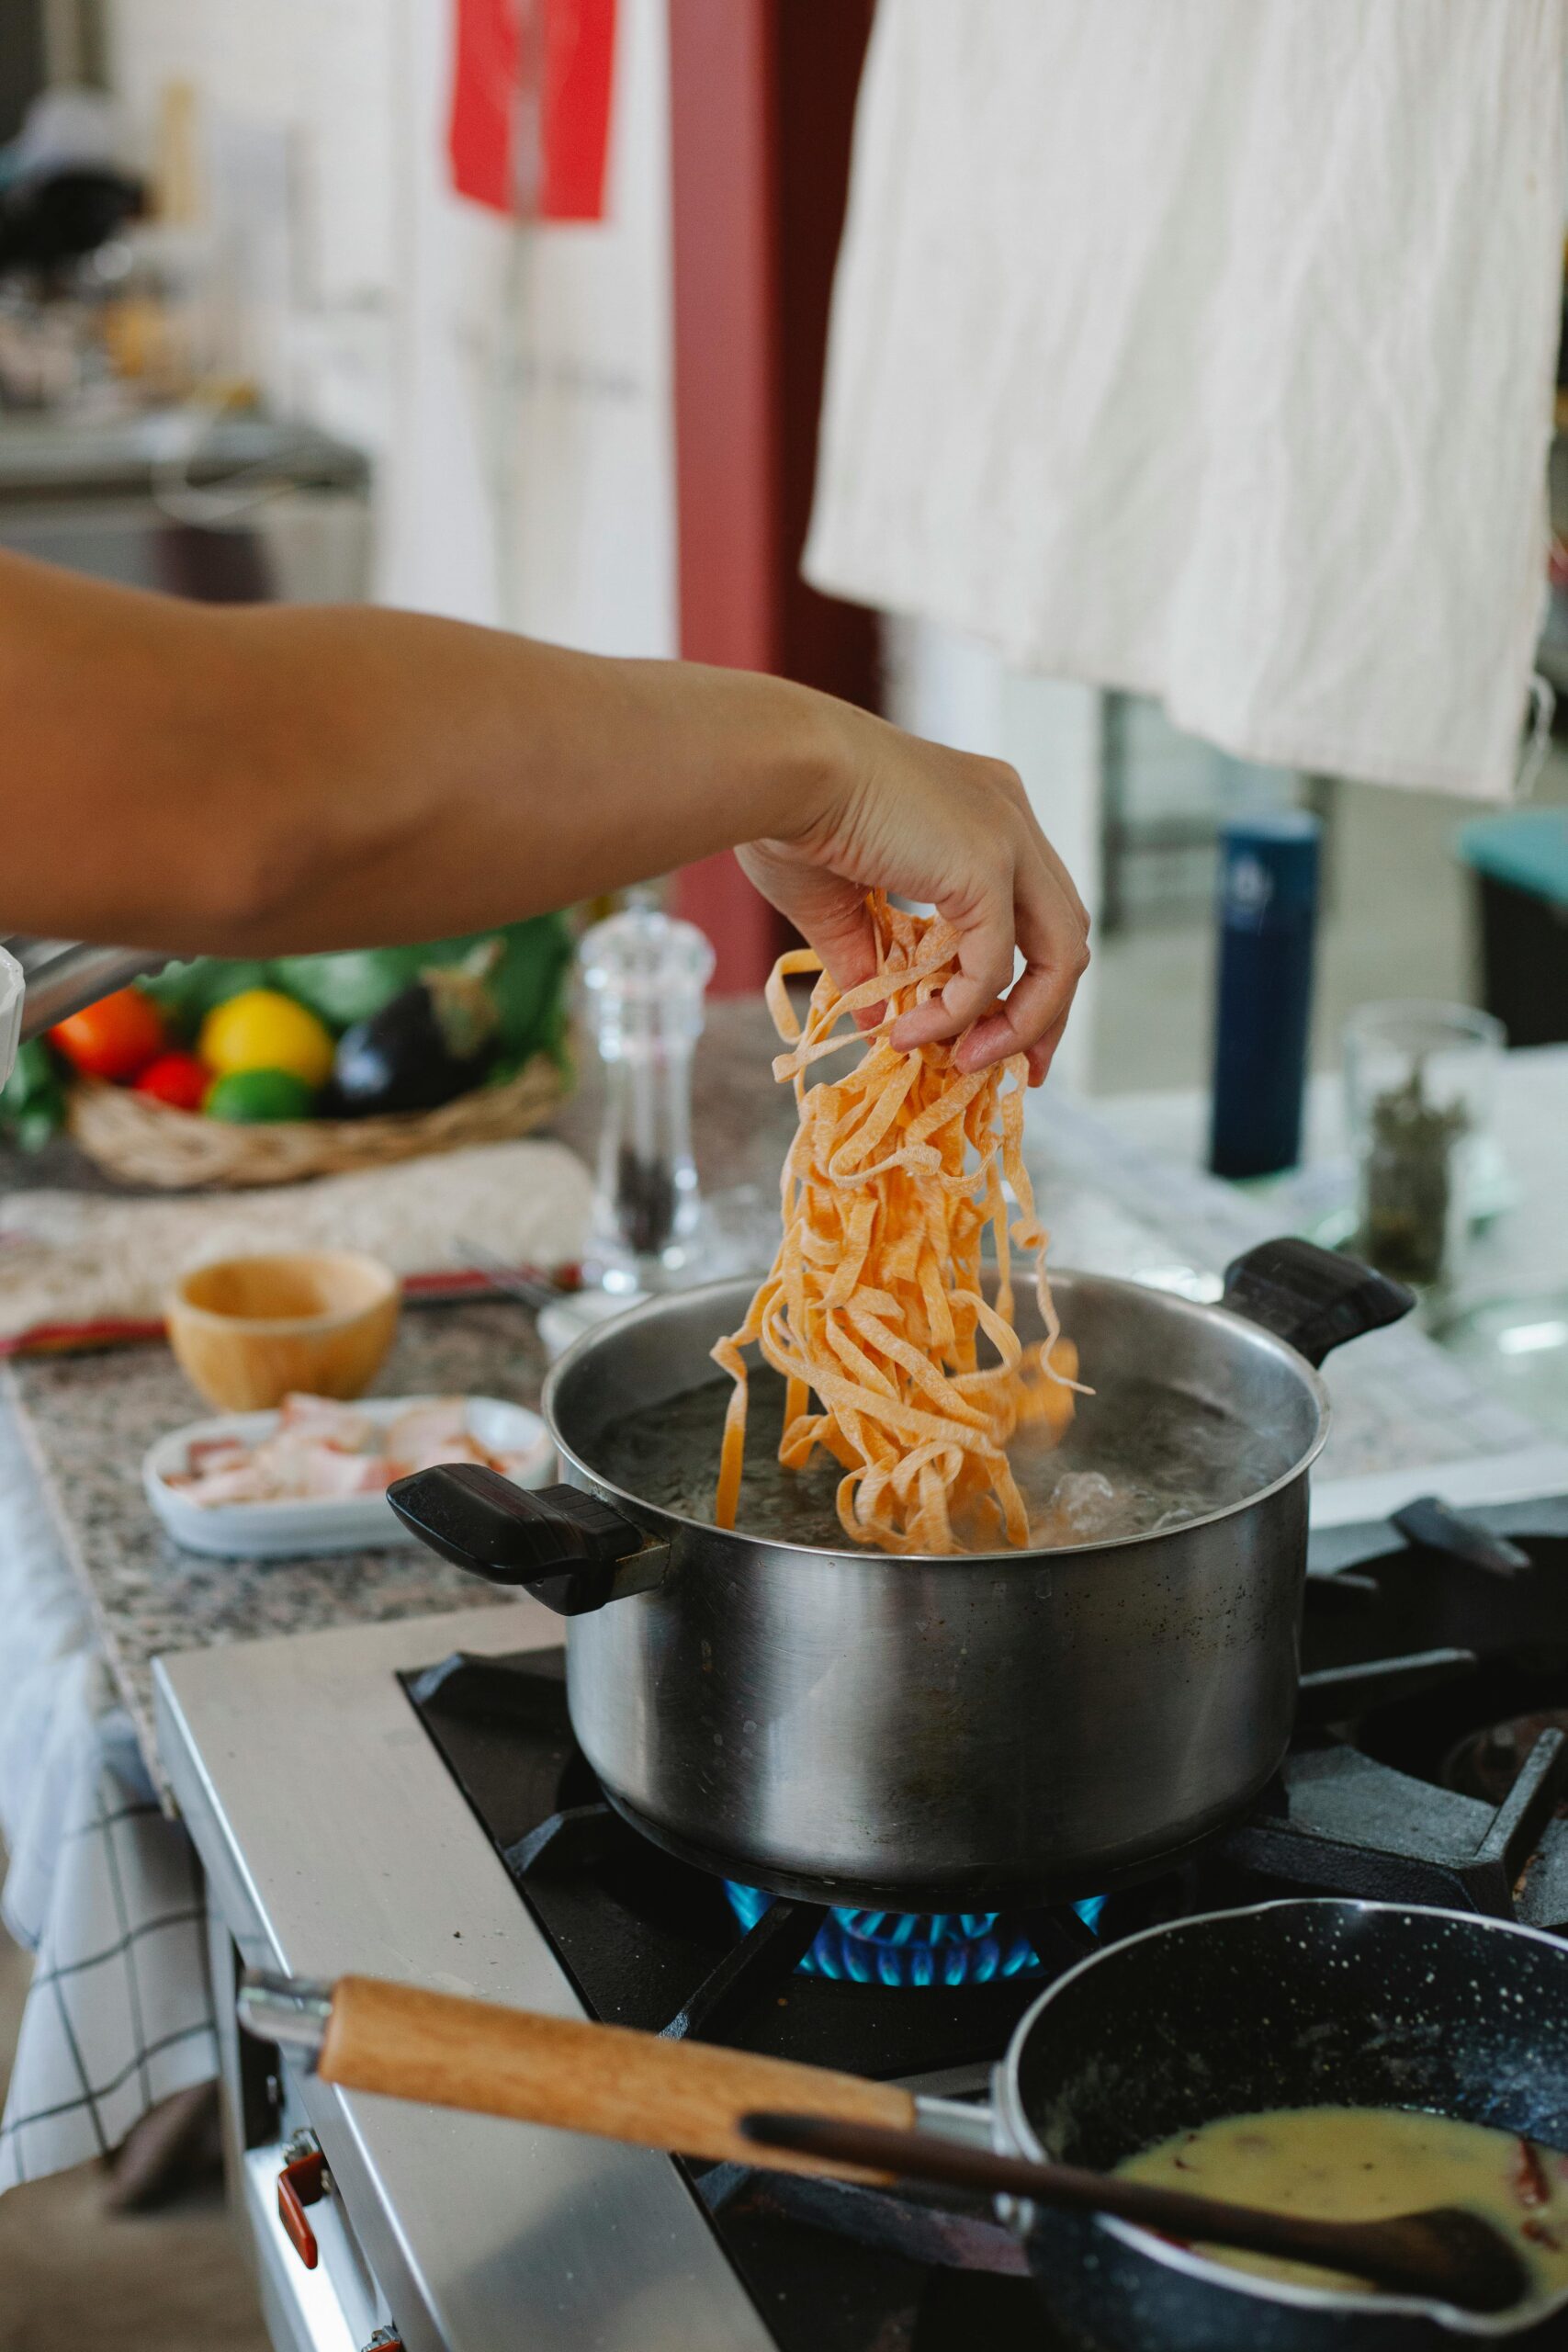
88	1420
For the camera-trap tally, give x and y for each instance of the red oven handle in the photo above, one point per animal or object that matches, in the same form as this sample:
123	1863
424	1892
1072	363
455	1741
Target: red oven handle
300	2184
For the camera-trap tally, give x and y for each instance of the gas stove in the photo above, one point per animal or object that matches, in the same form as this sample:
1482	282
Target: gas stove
408	1800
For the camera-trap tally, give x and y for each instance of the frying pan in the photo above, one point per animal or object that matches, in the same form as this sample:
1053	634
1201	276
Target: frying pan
1300	2003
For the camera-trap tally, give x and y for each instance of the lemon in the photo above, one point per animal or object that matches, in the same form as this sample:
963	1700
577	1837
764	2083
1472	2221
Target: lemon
262	1029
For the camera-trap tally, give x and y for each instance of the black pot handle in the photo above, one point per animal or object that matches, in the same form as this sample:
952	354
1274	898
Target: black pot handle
566	1548
1314	1298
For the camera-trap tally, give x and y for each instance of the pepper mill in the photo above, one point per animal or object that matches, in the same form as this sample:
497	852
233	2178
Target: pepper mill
643	975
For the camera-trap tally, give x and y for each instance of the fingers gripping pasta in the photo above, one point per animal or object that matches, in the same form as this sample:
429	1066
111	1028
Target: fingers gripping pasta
874	1310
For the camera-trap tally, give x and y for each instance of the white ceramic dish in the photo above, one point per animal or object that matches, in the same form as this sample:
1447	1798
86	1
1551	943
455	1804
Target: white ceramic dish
316	1524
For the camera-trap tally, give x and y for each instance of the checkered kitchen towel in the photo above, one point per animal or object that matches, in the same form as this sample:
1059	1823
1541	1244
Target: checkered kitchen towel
101	1887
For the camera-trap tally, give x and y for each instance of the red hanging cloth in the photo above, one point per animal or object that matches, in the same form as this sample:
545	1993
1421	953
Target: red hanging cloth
529	131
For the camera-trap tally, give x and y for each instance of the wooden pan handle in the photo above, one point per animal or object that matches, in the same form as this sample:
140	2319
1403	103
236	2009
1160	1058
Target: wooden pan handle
603	2079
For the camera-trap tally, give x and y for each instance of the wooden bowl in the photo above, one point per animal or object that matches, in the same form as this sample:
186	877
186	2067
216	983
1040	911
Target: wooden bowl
247	1330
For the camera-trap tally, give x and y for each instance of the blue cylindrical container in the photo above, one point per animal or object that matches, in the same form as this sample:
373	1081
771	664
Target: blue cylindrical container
1267	913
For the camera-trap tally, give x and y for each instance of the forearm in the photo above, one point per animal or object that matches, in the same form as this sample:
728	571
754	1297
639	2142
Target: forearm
269	778
262	779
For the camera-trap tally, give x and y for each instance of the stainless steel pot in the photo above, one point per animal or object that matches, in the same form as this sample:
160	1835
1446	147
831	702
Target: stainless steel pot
933	1733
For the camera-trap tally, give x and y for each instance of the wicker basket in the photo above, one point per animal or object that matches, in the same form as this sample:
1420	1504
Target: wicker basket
144	1142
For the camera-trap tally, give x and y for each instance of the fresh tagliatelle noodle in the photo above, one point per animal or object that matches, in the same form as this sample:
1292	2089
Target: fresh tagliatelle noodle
874	1311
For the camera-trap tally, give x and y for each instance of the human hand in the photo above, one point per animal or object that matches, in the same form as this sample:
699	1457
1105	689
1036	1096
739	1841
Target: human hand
926	822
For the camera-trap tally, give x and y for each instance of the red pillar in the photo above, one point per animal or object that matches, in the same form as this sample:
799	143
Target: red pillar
762	95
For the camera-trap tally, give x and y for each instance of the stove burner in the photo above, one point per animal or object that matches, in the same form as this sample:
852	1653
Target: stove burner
898	1948
1413	1643
1486	1763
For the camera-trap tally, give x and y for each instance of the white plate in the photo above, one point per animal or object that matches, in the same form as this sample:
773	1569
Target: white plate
319	1523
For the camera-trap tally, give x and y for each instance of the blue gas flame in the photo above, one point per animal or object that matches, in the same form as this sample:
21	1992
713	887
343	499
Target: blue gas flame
900	1947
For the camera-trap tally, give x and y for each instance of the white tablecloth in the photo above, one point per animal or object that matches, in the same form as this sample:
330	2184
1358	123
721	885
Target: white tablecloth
1523	1252
1115	1207
102	1888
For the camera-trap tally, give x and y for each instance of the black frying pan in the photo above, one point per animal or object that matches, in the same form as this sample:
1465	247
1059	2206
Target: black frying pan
1293	2004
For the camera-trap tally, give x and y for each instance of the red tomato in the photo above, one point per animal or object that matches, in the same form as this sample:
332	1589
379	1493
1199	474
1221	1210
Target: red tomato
178	1079
115	1038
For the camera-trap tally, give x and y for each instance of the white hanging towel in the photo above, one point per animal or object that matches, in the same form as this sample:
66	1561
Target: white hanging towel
1206	348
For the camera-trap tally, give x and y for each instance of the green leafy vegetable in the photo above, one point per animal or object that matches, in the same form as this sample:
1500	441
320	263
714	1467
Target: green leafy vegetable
349	987
32	1101
525	982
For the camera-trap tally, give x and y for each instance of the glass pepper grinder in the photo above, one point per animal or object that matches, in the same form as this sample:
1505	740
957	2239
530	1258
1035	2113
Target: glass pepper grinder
643	974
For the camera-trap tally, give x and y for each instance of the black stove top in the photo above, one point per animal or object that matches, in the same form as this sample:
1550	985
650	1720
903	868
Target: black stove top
1431	1765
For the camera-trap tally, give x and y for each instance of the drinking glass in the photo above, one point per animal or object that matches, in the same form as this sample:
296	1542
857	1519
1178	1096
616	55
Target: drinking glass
1419	1083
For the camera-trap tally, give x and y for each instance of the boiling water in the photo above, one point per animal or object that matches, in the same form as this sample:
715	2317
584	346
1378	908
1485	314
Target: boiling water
1143	1458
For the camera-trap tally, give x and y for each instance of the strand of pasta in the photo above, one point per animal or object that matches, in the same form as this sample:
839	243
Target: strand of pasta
873	1304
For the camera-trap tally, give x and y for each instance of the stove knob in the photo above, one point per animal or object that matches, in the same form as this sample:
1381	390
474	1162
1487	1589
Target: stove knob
302	2181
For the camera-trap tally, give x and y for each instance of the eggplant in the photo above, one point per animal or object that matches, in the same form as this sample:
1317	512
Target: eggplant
435	1040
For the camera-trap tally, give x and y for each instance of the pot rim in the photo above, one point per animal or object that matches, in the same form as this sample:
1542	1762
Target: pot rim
654	1515
1009	2109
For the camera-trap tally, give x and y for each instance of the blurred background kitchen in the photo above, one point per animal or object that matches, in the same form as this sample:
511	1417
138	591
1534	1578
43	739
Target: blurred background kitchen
425	301
266	330
308	353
